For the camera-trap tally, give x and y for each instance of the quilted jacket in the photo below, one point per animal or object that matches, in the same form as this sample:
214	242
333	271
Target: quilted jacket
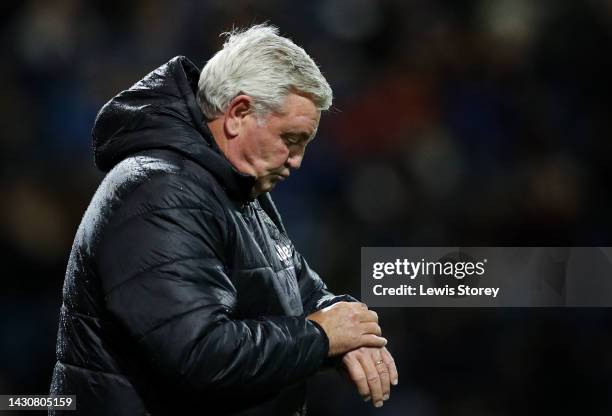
182	294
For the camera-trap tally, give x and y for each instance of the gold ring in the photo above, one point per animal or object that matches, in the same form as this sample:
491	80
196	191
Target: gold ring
379	362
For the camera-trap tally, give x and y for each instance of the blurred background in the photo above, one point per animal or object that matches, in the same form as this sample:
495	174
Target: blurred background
455	123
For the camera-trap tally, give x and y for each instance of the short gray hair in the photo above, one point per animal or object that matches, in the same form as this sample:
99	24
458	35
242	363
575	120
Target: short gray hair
260	63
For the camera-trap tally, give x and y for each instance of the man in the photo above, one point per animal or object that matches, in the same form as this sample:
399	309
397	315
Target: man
183	292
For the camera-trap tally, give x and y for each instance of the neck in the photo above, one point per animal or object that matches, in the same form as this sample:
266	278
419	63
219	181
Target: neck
229	148
216	128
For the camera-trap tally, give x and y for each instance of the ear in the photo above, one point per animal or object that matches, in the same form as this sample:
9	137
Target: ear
240	107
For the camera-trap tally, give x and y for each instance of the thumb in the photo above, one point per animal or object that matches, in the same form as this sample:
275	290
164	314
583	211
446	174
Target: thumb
374	341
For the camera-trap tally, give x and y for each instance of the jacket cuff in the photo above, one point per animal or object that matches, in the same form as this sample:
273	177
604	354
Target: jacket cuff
324	337
329	362
324	303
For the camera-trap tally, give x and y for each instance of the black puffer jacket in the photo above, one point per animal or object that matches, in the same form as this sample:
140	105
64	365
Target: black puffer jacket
182	296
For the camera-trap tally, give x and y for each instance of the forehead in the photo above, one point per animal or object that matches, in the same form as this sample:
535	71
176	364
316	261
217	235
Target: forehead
298	114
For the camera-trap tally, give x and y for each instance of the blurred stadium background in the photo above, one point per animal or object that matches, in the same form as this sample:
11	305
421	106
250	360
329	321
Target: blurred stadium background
455	123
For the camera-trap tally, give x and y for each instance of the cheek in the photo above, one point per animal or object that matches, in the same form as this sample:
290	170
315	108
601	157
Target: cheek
283	152
279	155
267	157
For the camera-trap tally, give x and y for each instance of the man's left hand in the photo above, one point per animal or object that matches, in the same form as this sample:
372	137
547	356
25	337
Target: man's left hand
373	371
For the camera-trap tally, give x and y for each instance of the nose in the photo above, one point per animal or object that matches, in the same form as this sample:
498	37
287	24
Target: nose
295	159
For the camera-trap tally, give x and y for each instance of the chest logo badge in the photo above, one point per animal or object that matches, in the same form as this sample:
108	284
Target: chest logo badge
283	251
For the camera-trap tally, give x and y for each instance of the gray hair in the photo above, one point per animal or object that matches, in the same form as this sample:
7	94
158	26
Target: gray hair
260	63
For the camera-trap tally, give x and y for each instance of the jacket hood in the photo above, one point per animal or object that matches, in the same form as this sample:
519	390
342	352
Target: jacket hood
160	112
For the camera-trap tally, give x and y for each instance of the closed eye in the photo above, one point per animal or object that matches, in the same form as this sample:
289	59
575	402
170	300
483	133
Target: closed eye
295	139
291	140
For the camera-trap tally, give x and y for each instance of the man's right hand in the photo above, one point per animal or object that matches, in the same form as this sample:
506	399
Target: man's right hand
348	326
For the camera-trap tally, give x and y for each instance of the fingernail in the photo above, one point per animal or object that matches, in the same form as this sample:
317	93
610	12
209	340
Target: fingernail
386	397
366	399
394	382
378	404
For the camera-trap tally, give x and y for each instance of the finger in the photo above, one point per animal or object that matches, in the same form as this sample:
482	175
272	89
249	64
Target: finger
371	328
388	359
358	376
372	341
373	379
368	316
373	315
383	372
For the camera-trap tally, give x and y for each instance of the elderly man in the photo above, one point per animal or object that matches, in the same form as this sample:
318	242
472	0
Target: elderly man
183	292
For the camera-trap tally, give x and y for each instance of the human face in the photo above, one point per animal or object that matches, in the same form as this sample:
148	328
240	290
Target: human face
274	145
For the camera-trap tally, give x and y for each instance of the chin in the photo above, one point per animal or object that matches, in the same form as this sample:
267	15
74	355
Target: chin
264	187
269	187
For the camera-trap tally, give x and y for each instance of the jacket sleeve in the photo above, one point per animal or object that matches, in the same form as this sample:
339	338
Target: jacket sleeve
314	292
162	267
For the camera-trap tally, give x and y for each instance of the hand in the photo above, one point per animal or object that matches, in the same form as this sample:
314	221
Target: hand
373	371
348	326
